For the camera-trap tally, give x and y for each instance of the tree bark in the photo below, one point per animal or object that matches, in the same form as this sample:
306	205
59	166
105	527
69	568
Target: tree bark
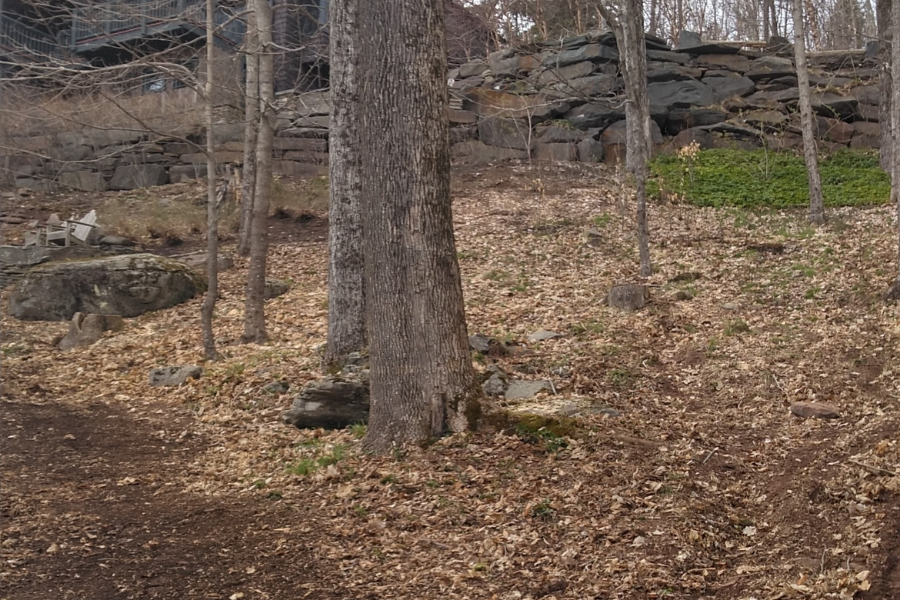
212	221
884	20
254	306
251	136
627	23
346	290
810	152
422	380
895	129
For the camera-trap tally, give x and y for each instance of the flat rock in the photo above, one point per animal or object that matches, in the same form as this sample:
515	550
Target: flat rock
815	410
174	376
480	343
542	335
131	177
674	94
523	390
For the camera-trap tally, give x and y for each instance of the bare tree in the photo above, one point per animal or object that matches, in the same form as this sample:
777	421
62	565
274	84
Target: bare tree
810	152
885	36
251	134
893	292
627	22
346	290
212	217
254	306
422	380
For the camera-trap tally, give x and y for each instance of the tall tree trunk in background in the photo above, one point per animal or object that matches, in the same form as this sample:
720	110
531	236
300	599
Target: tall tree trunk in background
627	22
212	227
251	135
894	291
346	288
810	152
884	20
422	380
254	306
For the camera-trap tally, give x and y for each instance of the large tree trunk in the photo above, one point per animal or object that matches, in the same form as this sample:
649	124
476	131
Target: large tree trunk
254	306
346	292
212	223
251	136
884	20
422	380
810	152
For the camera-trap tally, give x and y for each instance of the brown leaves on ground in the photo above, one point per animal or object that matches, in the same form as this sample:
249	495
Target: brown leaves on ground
706	486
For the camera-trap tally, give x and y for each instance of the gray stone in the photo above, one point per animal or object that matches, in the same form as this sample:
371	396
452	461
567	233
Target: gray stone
609	412
731	62
668	56
674	94
174	376
277	387
504	133
555	152
726	87
590	151
275	288
87	181
523	390
628	297
131	177
494	381
181	173
542	335
662	72
829	104
690	42
71	154
304	132
480	153
294	168
596	114
554	134
685	118
770	67
126	285
316	122
567	73
332	403
816	410
595	85
462	117
471	69
480	343
85	330
617	133
591	52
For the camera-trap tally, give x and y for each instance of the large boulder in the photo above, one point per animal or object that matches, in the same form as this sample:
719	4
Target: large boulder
126	285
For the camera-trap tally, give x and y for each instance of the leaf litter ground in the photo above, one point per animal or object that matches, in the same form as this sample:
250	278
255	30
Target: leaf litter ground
705	487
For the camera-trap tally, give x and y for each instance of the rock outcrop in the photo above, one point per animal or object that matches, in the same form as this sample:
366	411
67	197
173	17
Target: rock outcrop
127	285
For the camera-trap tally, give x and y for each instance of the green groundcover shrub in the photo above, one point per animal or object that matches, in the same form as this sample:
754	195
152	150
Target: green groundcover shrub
759	178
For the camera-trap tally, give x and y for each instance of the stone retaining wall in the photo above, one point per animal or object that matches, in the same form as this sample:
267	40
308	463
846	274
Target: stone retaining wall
559	101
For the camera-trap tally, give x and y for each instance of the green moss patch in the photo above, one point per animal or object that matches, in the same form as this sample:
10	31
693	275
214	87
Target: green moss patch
757	178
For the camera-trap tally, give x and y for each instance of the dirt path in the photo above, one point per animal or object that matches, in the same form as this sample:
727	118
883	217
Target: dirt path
89	510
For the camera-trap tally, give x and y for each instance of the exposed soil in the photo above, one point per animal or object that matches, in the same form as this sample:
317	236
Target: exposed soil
704	487
90	510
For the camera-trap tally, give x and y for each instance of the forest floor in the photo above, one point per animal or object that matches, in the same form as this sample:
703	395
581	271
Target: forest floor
705	486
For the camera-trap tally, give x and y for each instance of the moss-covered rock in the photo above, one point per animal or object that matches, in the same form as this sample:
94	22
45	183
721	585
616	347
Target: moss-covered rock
126	285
